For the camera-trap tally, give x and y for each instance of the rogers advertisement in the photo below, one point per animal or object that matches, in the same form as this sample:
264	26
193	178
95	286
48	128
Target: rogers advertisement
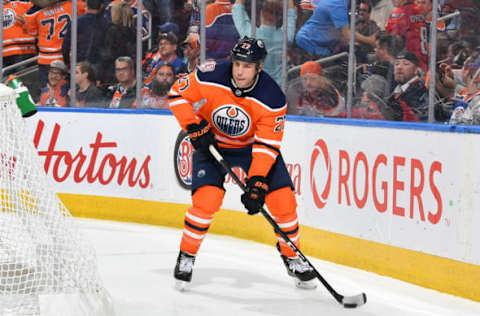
412	189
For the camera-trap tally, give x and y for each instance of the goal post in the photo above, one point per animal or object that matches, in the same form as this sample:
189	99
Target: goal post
47	267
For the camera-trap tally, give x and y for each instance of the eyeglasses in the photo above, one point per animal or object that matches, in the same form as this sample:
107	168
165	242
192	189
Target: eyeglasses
121	69
55	73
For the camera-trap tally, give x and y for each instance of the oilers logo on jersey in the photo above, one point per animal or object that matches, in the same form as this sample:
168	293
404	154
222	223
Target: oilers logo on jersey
231	120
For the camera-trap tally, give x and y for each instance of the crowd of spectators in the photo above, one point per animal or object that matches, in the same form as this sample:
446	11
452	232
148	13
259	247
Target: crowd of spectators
391	52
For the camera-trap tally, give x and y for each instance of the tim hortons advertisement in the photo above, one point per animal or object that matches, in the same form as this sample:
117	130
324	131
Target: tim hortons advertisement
104	154
411	189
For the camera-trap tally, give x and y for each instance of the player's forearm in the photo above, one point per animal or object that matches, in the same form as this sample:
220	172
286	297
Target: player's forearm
184	114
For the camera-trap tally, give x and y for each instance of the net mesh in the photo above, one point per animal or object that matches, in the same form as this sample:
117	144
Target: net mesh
42	251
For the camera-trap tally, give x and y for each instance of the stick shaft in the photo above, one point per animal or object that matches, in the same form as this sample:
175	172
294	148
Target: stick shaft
277	229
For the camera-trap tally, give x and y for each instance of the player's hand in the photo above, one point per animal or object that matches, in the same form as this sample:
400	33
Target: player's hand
254	197
201	136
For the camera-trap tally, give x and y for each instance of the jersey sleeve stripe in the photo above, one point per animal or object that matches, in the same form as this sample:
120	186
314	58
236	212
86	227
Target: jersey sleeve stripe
265	151
268	141
178	102
173	92
259	145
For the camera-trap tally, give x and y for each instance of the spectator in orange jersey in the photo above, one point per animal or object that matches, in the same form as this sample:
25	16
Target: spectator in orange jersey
54	94
124	93
317	97
18	45
156	97
49	26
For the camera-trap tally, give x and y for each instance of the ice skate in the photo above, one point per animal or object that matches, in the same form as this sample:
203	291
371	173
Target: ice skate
301	272
183	271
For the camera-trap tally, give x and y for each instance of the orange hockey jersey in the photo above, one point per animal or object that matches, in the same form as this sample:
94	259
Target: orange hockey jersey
256	118
16	41
50	26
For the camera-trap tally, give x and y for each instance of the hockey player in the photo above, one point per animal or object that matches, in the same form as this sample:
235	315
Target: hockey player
242	114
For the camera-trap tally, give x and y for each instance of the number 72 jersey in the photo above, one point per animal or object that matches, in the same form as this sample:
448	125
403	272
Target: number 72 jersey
50	26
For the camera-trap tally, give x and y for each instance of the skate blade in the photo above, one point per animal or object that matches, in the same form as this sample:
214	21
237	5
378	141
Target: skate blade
306	285
181	286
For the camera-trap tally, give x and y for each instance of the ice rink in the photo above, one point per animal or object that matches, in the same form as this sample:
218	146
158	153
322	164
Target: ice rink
238	277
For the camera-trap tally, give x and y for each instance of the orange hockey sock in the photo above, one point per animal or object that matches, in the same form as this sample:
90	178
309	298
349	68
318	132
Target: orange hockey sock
282	204
206	201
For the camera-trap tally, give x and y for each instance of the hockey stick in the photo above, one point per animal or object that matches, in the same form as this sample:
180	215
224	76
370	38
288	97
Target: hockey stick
347	301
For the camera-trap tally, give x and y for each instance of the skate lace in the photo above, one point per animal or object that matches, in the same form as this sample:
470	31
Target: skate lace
297	265
186	264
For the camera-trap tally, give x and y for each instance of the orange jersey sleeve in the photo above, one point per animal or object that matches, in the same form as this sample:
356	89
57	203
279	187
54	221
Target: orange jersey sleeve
16	41
255	119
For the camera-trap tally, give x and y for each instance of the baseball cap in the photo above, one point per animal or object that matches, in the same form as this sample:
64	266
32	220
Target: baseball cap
408	55
193	40
169	27
58	64
169	36
310	67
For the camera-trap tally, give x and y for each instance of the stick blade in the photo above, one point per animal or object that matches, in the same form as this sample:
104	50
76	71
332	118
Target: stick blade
354	301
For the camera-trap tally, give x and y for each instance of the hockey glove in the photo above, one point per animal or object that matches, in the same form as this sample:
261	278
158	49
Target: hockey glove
201	136
254	196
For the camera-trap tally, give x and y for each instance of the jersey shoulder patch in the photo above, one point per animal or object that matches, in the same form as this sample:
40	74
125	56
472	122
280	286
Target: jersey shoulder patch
218	72
207	66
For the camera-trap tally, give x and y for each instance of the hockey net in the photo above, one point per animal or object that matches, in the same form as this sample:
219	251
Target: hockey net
47	267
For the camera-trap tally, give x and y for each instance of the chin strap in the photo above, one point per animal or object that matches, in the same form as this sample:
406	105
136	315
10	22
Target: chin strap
239	92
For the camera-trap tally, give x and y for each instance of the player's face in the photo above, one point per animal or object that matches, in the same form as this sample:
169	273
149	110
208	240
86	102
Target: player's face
244	73
165	74
55	76
404	70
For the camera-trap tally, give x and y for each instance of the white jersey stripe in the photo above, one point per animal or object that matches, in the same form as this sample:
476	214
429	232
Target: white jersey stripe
268	141
265	151
178	102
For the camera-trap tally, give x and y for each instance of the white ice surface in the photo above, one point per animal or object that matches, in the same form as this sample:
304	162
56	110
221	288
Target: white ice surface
238	277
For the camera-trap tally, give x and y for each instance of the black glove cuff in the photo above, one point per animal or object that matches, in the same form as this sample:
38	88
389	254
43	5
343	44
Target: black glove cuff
258	182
